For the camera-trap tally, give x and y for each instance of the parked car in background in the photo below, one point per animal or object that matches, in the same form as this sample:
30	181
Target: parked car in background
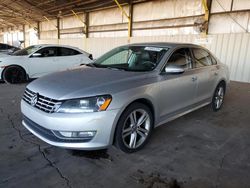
39	60
123	95
6	49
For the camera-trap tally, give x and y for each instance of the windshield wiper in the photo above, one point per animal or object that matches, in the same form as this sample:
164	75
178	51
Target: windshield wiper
91	65
116	68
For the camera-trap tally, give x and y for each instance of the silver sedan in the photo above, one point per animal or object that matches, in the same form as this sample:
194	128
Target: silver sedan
121	97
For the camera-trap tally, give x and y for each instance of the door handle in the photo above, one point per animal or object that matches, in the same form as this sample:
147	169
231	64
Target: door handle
194	78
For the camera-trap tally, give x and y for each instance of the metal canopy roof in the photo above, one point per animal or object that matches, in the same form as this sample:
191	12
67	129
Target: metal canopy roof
19	12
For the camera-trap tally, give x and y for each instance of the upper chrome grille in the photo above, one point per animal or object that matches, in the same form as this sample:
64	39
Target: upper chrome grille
43	103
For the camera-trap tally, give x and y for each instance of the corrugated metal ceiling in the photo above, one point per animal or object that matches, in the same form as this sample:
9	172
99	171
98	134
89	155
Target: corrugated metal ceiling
19	12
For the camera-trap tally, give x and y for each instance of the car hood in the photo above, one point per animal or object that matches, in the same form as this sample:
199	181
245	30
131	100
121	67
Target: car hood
86	81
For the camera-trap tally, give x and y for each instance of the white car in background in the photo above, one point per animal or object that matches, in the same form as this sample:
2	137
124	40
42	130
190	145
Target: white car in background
6	49
39	60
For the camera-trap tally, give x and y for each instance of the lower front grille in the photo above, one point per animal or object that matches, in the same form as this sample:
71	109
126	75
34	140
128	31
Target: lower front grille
48	134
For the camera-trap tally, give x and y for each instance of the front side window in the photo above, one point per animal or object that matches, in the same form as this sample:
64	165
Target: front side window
48	52
181	58
132	58
201	58
67	52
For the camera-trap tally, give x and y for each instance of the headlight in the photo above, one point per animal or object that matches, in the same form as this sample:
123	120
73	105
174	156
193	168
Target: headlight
91	104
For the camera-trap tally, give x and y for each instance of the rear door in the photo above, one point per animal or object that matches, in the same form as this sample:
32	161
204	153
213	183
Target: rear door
68	58
207	72
177	90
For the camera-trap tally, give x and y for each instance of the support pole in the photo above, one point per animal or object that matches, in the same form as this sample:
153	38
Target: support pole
58	28
128	17
205	7
206	4
50	21
131	10
87	25
232	4
81	20
24	36
38	31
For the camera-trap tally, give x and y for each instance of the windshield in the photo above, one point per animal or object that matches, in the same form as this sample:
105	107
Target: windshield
132	58
27	51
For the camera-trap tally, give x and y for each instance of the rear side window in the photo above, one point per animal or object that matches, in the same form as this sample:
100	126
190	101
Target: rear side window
201	58
48	52
67	52
181	58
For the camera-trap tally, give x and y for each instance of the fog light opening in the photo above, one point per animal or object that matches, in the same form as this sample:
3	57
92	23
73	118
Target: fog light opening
75	134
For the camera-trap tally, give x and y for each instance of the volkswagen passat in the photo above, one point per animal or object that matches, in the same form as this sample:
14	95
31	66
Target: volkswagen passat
123	95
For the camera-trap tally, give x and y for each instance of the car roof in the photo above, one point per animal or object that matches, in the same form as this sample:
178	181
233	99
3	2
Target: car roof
59	45
165	44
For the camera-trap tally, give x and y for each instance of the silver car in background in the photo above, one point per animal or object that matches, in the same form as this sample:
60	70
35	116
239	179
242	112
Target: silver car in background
123	95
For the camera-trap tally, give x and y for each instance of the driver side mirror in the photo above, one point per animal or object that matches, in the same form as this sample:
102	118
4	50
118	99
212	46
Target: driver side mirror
173	69
36	55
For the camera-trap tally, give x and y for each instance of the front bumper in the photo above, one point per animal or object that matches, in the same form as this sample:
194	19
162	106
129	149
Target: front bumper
1	71
42	125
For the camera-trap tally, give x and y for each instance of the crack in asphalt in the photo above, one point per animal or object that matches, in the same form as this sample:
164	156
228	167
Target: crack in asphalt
221	165
40	151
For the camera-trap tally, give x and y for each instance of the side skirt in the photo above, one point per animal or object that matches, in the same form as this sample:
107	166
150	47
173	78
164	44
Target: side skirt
172	117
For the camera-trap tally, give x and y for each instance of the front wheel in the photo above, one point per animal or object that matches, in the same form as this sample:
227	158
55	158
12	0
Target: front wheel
134	128
218	97
14	75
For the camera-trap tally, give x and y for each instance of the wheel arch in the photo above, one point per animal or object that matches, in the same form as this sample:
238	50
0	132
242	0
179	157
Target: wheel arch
142	100
224	83
15	65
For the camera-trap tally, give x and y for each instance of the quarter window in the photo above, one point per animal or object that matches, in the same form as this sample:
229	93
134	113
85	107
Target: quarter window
202	58
213	60
181	58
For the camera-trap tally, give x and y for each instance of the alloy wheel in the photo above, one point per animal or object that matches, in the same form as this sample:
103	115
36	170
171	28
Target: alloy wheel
219	96
136	128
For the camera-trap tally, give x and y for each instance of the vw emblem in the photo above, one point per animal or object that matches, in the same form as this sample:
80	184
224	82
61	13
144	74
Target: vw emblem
34	99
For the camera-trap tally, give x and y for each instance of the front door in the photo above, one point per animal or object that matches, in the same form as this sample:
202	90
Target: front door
42	62
177	90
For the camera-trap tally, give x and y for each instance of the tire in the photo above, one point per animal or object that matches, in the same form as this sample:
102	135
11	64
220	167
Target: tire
134	128
218	97
14	75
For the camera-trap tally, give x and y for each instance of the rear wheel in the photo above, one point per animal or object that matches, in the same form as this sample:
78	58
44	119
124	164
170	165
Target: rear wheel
14	75
134	128
218	97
